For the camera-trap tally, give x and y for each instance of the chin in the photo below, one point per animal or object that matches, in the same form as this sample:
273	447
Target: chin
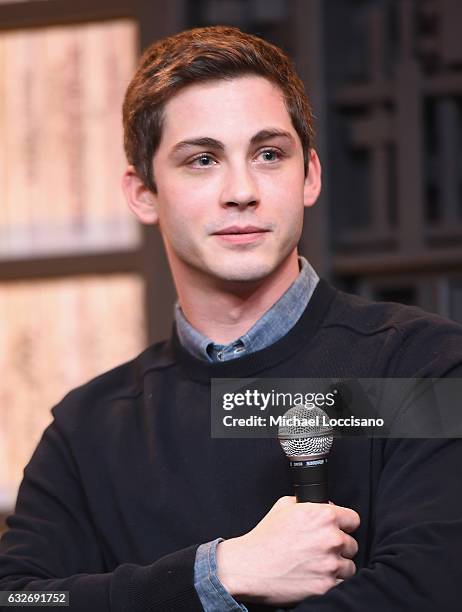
244	273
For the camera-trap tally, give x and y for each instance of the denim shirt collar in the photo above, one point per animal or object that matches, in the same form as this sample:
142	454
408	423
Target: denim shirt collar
272	326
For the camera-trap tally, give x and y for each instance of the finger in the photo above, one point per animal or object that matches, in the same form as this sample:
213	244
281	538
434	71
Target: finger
284	502
347	519
347	569
349	548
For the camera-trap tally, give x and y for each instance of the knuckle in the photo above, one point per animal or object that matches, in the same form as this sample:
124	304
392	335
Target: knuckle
354	547
329	513
352	568
282	502
336	541
349	547
348	569
331	565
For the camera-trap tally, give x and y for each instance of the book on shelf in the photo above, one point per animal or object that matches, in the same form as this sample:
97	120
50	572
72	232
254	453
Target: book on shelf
54	336
61	155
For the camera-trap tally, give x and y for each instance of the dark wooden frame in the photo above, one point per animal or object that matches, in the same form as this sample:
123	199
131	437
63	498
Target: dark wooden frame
413	245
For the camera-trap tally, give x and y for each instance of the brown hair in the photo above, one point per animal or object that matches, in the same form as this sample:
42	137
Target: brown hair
197	55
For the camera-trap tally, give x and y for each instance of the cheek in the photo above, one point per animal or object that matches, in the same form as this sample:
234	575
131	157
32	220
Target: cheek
182	218
288	178
285	194
189	199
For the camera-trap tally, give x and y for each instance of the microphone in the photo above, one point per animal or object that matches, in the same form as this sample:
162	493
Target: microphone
306	440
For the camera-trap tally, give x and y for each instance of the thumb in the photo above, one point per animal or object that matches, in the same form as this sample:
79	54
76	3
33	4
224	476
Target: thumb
284	502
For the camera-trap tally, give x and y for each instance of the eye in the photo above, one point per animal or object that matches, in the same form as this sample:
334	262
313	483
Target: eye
270	155
204	160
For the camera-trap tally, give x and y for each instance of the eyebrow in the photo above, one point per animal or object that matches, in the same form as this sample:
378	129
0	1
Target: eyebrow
212	143
269	134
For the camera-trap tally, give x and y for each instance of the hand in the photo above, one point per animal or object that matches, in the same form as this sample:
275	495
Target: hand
297	550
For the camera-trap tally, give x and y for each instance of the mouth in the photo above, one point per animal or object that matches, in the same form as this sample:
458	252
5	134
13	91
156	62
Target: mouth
235	229
242	235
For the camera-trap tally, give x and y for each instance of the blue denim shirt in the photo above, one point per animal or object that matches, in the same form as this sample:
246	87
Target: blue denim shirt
272	326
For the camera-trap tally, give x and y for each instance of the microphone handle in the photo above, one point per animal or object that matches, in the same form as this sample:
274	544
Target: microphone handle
310	480
316	493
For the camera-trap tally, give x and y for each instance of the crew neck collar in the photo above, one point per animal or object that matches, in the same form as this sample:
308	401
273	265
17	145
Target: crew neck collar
249	365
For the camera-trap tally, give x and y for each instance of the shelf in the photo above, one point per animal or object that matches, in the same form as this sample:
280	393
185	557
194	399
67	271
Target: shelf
109	262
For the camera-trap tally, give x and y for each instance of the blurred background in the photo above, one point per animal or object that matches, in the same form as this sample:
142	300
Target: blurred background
83	287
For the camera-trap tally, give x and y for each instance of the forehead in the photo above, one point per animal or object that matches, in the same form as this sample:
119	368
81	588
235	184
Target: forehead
235	108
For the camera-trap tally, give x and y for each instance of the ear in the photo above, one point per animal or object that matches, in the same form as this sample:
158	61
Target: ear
140	199
312	187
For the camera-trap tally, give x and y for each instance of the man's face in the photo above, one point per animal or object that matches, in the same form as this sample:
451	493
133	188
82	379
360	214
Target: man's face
230	180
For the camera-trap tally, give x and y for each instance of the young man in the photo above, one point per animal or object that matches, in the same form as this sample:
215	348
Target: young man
127	499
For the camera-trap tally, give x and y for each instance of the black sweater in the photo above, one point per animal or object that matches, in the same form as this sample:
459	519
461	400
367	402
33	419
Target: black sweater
127	482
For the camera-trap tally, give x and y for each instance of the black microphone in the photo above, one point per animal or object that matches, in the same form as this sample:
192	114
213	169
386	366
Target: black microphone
306	438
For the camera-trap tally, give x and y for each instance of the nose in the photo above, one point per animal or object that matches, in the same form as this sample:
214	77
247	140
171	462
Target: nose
239	188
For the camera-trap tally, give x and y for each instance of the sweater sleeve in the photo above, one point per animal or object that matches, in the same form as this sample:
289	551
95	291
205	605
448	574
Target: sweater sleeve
417	525
53	545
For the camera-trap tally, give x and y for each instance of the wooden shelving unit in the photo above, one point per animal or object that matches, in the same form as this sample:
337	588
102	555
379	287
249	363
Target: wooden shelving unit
142	258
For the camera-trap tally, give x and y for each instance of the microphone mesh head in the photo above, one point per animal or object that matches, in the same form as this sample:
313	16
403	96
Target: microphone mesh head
298	437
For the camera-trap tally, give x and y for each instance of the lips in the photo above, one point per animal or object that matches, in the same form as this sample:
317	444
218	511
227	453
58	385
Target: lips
235	229
236	236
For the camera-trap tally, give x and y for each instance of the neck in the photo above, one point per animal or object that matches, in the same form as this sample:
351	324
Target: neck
223	311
